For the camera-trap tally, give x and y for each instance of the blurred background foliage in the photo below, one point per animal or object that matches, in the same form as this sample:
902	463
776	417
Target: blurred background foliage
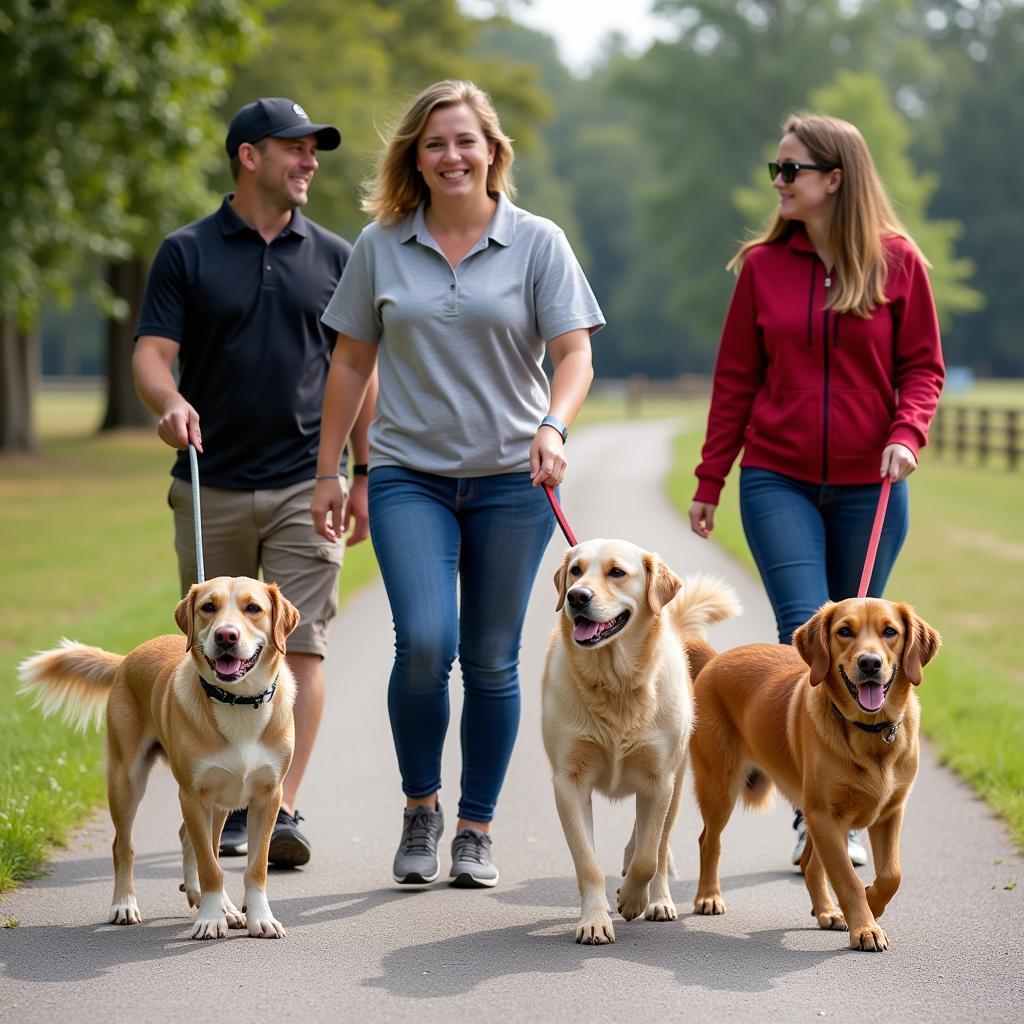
114	114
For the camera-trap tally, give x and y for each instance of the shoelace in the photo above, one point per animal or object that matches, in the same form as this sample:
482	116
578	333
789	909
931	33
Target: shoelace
469	846
419	837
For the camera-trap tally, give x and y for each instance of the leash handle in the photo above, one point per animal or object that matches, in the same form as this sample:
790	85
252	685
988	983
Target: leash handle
876	533
197	517
560	516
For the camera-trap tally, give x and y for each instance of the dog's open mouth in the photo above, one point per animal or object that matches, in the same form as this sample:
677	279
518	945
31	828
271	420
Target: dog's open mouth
587	633
869	695
230	669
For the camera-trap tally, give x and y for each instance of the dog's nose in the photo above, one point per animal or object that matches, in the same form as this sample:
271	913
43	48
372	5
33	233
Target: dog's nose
869	664
580	597
226	635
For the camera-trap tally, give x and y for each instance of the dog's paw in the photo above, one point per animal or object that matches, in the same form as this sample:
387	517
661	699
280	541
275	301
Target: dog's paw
598	931
708	905
124	911
210	922
234	916
661	910
830	919
260	918
632	900
191	894
869	939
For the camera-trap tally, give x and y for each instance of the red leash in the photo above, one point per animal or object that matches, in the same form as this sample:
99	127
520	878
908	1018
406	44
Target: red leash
876	533
560	516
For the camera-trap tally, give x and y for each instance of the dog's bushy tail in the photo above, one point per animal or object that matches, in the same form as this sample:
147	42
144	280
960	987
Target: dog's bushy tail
72	679
702	601
758	791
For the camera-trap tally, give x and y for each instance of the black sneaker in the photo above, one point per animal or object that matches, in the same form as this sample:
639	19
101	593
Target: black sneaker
234	839
289	848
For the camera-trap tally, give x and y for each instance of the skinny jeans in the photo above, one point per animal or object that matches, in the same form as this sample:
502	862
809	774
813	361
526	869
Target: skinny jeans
458	558
810	540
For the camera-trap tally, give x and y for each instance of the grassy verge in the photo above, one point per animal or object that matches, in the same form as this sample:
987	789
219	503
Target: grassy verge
963	569
87	542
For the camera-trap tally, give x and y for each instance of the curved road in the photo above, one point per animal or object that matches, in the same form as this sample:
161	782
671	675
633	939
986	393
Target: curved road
359	948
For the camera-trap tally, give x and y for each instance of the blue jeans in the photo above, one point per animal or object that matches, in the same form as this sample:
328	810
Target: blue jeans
483	537
810	540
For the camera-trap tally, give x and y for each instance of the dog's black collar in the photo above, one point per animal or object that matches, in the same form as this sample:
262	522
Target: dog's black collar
889	737
226	697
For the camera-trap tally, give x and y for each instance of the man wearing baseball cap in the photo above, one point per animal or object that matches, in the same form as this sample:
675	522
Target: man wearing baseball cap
235	299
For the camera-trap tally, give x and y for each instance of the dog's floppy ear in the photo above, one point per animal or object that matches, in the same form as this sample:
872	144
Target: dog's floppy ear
662	583
920	643
185	615
812	642
561	574
284	616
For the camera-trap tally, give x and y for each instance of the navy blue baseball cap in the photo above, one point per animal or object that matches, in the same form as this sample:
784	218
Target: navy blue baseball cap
284	119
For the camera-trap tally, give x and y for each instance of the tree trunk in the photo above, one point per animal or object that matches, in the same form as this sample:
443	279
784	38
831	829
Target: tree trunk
18	372
128	282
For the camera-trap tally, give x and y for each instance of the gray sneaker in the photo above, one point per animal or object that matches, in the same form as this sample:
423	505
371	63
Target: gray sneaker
472	867
854	847
416	862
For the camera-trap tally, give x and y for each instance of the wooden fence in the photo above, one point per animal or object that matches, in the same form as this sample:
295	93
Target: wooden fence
963	431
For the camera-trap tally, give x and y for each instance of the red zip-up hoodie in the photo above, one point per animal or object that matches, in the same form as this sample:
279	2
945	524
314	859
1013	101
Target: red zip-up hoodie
816	394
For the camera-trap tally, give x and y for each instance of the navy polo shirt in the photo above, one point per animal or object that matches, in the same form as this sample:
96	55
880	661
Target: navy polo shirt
254	353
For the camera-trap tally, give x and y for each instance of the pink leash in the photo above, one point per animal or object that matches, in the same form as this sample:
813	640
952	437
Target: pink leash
876	533
560	516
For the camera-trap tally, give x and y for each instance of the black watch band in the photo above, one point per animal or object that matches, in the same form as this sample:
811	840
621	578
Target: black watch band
360	469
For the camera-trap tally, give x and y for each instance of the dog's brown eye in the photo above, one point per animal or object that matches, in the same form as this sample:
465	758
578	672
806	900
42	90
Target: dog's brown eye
889	631
575	571
208	608
616	571
253	609
844	631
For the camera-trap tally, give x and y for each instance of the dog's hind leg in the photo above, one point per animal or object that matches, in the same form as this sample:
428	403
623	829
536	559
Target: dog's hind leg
716	796
189	868
827	914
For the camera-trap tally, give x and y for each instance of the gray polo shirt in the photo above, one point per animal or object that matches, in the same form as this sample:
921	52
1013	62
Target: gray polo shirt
462	385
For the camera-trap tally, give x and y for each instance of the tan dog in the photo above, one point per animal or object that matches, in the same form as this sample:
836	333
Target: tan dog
617	713
219	709
846	752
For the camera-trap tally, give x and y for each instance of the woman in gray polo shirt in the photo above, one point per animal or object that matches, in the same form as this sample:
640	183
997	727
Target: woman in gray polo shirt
455	295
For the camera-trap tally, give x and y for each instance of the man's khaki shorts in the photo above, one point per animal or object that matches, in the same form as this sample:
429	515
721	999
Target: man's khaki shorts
246	531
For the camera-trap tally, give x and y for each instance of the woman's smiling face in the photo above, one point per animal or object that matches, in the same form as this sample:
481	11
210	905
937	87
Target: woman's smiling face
810	192
453	154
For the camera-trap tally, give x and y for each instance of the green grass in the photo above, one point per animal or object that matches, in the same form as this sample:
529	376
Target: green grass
962	567
88	553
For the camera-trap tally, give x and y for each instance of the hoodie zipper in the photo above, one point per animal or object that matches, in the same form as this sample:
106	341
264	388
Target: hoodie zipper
824	404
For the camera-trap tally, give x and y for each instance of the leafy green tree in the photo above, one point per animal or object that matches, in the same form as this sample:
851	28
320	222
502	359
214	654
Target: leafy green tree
110	102
862	100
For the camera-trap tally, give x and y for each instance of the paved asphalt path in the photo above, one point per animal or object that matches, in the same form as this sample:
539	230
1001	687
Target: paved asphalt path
359	948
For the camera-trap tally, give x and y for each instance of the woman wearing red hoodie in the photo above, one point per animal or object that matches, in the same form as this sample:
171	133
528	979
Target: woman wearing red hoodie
828	375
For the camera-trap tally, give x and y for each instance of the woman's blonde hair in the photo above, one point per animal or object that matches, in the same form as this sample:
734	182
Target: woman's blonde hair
860	215
397	187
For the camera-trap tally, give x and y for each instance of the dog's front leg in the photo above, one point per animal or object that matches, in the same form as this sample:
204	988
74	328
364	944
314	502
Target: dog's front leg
210	922
885	851
830	844
651	812
263	808
573	798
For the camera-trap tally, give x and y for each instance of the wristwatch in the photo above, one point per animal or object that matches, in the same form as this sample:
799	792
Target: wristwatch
360	469
554	421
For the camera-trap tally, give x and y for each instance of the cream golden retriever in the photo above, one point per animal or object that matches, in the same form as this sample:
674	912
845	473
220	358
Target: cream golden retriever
617	713
219	709
832	721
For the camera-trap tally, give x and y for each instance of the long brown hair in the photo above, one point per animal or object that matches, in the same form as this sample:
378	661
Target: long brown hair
397	187
860	215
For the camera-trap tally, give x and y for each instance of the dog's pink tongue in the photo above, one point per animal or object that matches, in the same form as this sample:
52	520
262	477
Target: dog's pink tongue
227	666
871	696
586	630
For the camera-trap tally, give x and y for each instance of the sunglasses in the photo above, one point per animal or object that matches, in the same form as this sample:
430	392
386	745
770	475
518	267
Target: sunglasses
789	170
